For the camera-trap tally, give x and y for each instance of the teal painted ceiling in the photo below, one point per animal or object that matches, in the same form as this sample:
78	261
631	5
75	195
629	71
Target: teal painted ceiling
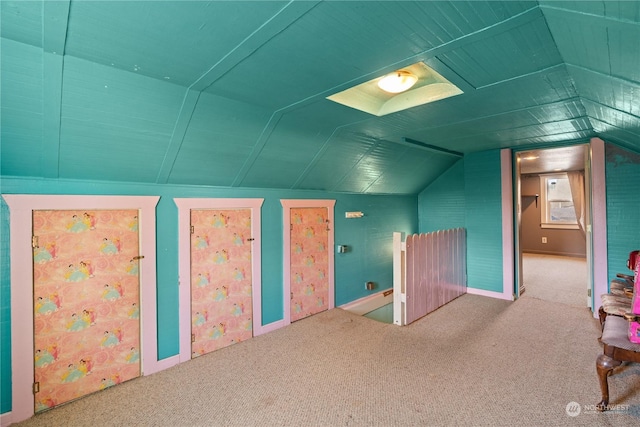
233	93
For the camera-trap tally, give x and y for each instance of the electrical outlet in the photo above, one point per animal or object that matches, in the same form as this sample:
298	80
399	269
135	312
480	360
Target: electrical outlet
544	240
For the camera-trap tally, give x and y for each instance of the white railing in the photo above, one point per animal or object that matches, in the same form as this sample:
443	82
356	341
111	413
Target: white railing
429	270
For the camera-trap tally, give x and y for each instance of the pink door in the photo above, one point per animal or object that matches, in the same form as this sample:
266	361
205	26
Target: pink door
86	302
309	262
221	298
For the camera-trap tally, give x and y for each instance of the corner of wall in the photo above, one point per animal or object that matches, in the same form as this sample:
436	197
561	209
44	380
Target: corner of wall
441	205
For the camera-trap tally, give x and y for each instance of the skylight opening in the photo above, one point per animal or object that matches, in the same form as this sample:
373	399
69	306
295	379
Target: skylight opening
419	85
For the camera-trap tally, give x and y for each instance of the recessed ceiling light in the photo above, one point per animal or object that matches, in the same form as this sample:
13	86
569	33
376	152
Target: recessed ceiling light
398	81
423	85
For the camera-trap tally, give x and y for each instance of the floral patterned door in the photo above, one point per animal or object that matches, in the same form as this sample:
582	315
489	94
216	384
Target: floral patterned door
86	302
221	298
309	262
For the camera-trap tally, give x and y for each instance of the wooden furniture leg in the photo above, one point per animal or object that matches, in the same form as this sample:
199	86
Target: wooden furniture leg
601	315
618	337
604	366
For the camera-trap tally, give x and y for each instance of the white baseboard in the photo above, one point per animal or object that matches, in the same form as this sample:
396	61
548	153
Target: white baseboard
6	419
491	294
269	328
566	254
163	364
369	303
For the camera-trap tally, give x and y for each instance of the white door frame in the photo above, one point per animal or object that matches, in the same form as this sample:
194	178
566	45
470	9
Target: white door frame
287	205
184	268
21	228
598	223
596	232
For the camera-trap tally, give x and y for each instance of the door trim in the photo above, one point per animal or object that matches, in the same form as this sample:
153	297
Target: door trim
184	264
508	273
598	223
287	205
21	226
598	262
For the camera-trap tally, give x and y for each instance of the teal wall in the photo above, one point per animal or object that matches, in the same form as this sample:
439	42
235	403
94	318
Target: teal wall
469	195
441	205
623	207
369	238
483	213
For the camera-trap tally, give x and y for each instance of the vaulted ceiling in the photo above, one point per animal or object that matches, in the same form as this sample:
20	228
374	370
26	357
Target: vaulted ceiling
233	93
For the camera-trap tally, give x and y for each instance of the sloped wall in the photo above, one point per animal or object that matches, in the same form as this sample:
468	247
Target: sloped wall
441	205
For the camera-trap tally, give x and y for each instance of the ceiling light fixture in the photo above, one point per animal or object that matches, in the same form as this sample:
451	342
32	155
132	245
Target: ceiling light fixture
398	81
372	96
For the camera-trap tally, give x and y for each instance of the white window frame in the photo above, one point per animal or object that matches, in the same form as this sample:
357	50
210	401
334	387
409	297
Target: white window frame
545	222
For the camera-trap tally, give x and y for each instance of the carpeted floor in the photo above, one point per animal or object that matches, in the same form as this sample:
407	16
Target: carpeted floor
475	361
555	278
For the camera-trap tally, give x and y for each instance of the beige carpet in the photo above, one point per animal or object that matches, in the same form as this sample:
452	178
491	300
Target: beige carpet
555	278
475	361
